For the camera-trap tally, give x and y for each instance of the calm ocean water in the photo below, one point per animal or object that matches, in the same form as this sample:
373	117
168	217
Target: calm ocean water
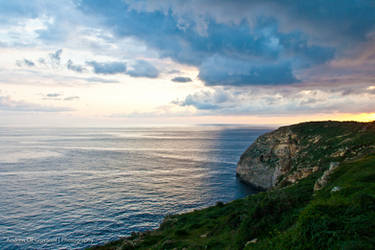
72	188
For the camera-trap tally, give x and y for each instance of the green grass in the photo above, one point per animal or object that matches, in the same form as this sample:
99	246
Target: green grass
344	219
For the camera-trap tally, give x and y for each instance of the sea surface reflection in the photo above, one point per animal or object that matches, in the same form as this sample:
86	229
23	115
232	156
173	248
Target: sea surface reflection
71	188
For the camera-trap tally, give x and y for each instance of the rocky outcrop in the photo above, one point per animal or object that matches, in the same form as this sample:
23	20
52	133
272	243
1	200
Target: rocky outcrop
292	153
323	180
268	158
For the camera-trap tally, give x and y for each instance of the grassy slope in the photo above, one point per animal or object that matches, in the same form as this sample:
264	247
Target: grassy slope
352	138
291	217
335	220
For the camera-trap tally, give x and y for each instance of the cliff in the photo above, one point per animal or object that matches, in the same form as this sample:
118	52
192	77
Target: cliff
321	181
289	154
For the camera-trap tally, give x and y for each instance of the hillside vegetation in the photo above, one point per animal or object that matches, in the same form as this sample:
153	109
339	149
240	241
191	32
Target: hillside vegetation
340	215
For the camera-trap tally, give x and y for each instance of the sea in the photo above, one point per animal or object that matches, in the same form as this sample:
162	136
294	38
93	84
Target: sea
70	188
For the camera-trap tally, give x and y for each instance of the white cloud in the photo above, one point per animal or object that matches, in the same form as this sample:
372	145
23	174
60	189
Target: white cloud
9	104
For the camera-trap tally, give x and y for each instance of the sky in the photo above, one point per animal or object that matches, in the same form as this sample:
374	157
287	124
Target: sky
184	62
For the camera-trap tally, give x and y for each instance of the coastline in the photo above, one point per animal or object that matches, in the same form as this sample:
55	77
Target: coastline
281	216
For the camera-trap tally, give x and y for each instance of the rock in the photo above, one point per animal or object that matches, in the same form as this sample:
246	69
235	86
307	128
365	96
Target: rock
204	235
315	139
298	175
339	153
323	180
267	159
253	241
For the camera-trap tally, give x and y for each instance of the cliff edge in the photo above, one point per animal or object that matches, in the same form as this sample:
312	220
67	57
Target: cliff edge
292	153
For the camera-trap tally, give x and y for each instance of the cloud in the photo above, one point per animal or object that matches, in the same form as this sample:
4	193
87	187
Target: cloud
108	68
71	98
17	9
99	80
275	101
218	70
74	67
53	95
194	39
29	63
143	68
294	35
174	71
181	79
8	104
205	100
318	18
56	57
59	97
301	34
255	57
42	61
53	60
25	62
139	68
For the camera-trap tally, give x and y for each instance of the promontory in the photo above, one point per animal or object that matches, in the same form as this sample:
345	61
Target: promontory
318	192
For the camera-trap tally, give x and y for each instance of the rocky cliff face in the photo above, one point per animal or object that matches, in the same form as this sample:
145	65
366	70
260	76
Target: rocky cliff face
268	158
291	153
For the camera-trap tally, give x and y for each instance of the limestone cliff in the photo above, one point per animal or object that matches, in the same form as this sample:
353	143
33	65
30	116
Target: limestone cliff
291	153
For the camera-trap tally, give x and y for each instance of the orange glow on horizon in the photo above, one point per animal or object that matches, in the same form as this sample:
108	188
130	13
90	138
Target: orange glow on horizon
363	117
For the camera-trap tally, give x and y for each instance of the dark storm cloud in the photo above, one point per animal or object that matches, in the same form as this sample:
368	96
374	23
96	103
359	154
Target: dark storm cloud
300	34
268	36
226	71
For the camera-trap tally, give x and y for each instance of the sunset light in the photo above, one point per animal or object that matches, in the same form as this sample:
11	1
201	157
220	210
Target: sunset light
187	124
